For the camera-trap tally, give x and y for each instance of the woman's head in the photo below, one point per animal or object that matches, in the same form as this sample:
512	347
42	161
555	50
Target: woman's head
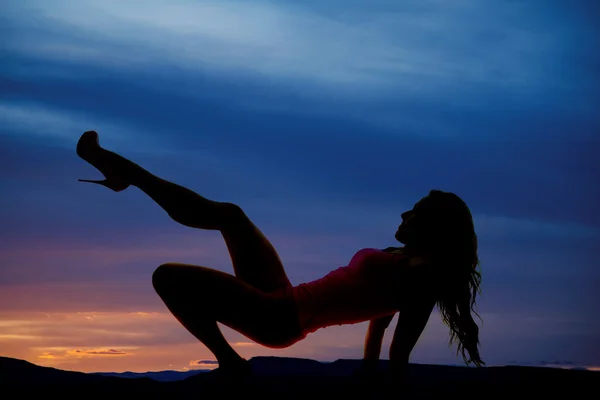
440	226
437	224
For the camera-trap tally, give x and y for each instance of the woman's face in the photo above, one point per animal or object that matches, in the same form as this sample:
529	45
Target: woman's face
406	232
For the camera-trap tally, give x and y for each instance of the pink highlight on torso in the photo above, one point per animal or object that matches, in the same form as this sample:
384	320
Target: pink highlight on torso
363	290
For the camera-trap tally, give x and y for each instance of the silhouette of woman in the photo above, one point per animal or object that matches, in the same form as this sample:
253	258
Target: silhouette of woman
437	265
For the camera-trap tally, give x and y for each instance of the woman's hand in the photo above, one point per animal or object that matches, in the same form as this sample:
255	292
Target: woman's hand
369	371
397	371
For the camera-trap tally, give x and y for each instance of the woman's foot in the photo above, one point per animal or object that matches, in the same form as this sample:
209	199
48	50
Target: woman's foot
107	162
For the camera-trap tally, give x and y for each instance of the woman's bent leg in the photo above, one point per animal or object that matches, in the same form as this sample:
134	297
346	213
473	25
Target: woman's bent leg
199	297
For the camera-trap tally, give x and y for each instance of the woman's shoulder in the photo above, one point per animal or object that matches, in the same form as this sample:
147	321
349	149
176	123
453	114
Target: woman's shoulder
374	255
400	258
370	251
388	250
362	255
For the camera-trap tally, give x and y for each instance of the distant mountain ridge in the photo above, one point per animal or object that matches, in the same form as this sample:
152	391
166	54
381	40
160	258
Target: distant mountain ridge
160	376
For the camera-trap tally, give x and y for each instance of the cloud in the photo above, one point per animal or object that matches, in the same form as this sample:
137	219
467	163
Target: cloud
79	353
47	124
403	46
87	332
462	167
97	352
497	225
203	363
244	344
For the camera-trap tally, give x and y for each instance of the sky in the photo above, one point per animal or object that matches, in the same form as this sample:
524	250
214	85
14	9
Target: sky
324	120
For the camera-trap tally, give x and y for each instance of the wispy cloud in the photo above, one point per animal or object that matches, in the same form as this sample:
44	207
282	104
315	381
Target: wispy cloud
44	123
405	45
204	364
506	226
244	344
78	353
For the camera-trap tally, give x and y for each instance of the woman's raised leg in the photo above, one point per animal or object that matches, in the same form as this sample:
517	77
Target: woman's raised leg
254	258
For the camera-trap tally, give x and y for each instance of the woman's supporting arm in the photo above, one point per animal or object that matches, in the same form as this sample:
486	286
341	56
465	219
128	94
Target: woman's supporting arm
374	339
412	320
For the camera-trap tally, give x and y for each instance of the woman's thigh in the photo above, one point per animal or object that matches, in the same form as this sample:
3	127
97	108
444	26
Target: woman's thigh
193	292
254	259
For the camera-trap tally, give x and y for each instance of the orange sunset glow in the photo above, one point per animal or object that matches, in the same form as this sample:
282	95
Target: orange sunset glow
134	341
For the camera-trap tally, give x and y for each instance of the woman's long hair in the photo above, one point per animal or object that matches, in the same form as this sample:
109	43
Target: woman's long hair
446	229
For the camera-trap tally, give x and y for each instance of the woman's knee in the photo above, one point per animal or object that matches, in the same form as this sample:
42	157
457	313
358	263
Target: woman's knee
162	278
232	214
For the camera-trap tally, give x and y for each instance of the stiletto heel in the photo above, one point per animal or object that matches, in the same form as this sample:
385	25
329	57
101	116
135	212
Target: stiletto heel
88	148
114	185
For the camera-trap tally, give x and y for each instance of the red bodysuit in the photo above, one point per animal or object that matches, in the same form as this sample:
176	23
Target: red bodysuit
363	290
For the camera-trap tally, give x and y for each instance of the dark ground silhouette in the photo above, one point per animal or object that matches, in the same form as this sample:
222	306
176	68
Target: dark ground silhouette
284	378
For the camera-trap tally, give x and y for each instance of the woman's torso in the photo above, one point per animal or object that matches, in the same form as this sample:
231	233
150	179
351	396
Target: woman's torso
368	288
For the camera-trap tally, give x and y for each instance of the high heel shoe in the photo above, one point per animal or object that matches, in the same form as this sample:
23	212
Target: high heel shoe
88	148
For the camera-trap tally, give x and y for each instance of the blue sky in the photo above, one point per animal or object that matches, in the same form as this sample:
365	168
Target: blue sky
324	121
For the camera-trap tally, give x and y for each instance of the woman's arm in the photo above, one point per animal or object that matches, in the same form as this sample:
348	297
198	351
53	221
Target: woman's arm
374	339
412	320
